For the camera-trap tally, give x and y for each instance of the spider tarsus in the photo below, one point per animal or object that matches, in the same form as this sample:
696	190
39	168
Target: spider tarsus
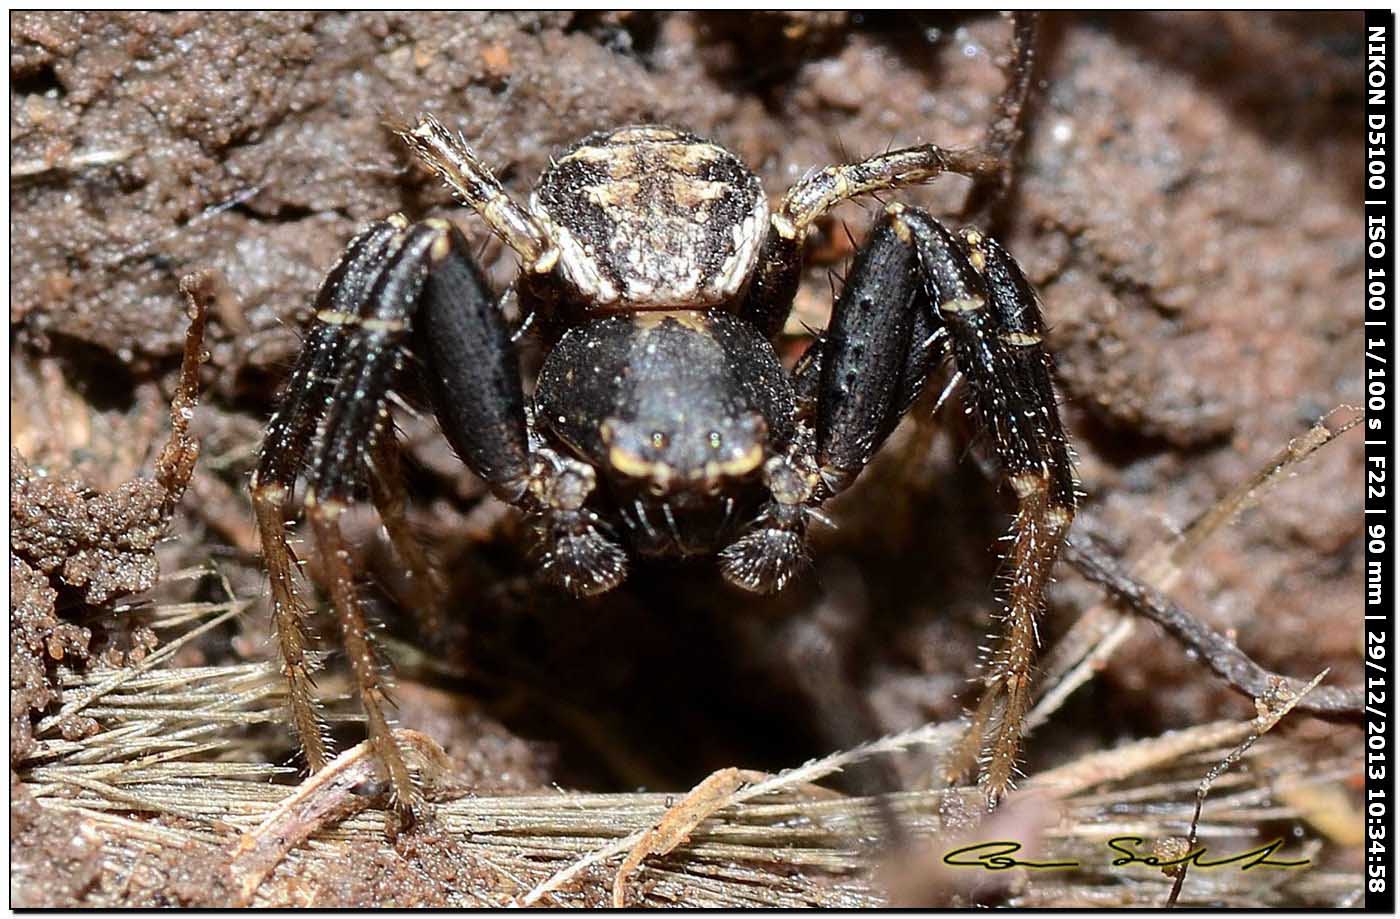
355	638
289	616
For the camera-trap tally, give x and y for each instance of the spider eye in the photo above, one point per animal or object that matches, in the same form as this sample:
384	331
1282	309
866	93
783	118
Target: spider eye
715	440
659	440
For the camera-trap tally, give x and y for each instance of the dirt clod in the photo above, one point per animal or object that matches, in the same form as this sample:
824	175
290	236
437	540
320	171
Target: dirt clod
101	544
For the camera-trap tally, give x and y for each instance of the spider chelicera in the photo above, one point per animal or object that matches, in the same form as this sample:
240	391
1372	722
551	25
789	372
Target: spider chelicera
662	423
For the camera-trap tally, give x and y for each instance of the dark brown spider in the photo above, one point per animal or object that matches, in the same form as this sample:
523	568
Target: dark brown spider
662	423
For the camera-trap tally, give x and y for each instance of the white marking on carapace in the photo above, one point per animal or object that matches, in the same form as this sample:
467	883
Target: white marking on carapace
658	249
962	305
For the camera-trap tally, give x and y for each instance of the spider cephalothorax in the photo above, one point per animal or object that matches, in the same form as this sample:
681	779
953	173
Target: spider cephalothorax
662	422
649	217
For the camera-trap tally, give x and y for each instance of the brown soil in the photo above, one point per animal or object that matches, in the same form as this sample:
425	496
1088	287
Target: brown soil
1186	203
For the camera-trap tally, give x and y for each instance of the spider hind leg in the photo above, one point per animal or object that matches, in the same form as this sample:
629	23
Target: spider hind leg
915	291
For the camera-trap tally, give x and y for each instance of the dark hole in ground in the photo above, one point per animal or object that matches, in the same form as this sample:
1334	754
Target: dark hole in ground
101	377
40	80
675	674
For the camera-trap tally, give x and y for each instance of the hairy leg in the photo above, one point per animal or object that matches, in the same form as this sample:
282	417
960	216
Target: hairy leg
426	586
333	427
780	261
995	325
448	155
915	290
284	450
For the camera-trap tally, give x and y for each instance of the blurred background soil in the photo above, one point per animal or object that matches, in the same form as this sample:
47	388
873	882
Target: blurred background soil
1188	202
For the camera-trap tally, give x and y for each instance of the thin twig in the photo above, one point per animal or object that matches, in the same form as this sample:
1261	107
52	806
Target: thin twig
326	797
1008	126
175	466
1272	705
1215	650
1248	492
29	169
1162	567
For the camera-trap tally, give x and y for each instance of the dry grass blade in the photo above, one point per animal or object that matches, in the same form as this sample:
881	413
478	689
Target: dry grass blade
808	772
121	676
676	825
1136	758
782	850
176	770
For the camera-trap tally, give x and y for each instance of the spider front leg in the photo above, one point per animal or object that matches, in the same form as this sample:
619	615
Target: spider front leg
914	291
997	332
854	384
780	261
336	337
396	283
